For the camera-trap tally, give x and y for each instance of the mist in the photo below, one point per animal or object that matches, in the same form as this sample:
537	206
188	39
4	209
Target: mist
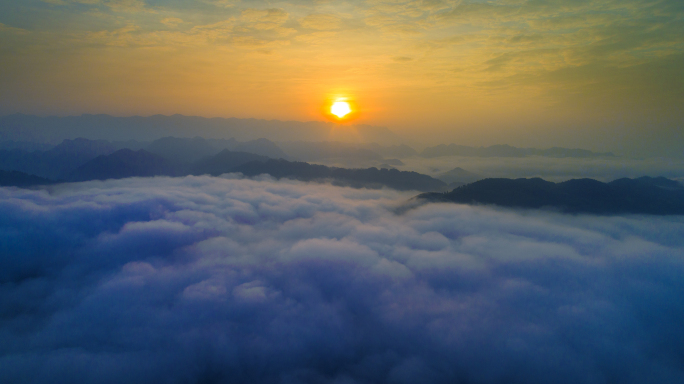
552	169
201	279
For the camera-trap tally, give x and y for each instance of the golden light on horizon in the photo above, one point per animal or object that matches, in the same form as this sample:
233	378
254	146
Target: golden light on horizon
340	109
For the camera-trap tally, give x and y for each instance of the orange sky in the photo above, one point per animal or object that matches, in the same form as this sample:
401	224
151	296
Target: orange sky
592	74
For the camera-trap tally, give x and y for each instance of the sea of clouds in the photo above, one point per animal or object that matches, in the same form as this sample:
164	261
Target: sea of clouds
229	280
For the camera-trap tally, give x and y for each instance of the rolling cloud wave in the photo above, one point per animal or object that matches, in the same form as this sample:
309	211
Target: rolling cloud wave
212	280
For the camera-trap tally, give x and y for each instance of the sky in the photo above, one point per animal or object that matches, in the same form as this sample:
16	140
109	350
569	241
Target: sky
603	75
223	279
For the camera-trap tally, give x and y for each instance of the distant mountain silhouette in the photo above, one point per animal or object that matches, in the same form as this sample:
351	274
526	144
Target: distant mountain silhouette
127	163
325	150
566	152
391	163
130	144
83	147
83	160
261	147
124	163
645	195
455	184
662	182
505	151
21	179
224	162
222	144
458	175
56	162
186	151
19	127
182	150
397	151
358	178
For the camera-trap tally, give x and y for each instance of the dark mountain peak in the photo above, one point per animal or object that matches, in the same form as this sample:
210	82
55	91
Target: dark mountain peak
124	163
458	175
263	147
58	161
127	153
640	196
228	154
182	150
581	183
660	181
357	178
224	143
178	140
261	141
81	146
534	182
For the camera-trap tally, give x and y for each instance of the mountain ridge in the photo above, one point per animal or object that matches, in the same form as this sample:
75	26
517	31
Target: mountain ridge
357	178
505	150
126	163
20	127
645	195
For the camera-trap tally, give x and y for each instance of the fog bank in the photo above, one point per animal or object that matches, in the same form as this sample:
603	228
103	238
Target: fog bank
227	280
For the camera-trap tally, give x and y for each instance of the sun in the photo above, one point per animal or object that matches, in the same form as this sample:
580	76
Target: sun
340	109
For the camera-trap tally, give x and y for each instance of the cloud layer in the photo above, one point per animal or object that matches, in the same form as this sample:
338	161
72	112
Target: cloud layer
218	280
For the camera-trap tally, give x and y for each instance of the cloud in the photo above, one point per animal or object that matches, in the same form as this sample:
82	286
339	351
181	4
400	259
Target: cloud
204	279
517	46
222	32
320	22
251	42
125	5
222	3
264	19
115	5
65	2
12	30
122	37
172	22
316	37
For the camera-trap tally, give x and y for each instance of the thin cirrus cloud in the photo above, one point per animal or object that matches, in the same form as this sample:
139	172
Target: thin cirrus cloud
521	36
320	22
114	5
234	280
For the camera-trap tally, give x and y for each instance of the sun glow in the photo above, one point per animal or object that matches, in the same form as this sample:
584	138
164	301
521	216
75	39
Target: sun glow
340	109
